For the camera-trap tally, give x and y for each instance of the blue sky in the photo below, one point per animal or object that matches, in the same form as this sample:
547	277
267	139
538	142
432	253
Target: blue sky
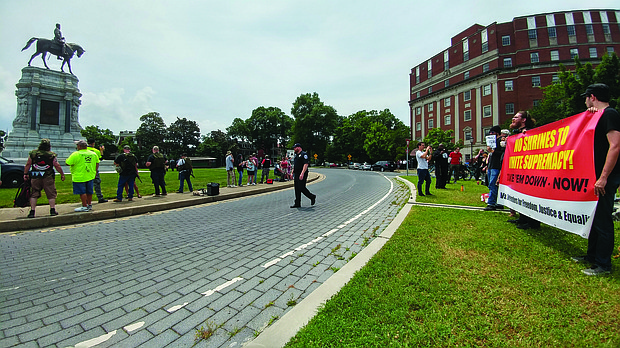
213	61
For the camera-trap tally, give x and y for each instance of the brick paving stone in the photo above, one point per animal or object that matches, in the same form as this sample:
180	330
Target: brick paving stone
260	321
39	332
129	302
225	300
45	313
82	337
124	320
286	283
194	286
19	329
155	287
193	321
173	287
269	296
245	300
8	323
18	307
12	342
169	321
137	288
103	318
202	302
163	302
82	317
49	340
120	287
221	316
98	300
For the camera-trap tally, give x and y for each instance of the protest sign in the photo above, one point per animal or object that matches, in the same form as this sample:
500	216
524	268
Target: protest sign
548	173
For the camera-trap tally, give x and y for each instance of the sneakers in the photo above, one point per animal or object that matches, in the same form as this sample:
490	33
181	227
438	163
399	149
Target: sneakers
90	207
594	271
253	183
313	200
130	199
116	200
102	200
53	212
295	206
80	209
580	259
31	214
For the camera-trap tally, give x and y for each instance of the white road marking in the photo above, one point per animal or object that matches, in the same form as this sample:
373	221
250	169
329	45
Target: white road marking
221	287
176	308
132	327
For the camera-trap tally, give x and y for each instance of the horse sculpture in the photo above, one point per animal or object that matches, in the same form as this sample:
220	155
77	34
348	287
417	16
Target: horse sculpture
44	46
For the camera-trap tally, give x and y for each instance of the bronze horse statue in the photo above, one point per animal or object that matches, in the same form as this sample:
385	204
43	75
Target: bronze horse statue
44	46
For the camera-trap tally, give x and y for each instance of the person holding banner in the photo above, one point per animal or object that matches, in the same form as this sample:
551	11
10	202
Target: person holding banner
495	165
607	169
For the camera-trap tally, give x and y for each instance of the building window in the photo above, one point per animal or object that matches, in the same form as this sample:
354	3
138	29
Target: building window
589	29
429	74
535	81
534	57
447	102
486	111
485	47
571	30
552	32
610	50
418	126
466	56
555	78
467	95
593	52
417	94
417	79
508	86
536	102
531	34
466	74
606	29
507	62
446	65
467	134
506	40
430	90
418	110
510	108
486	90
446	83
555	55
485	67
447	120
430	107
574	53
431	123
467	115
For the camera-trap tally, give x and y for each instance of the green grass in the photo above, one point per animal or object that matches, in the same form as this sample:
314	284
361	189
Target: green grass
109	182
470	196
452	278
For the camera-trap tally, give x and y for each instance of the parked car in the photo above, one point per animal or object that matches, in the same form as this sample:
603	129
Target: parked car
383	166
365	166
333	165
12	173
354	166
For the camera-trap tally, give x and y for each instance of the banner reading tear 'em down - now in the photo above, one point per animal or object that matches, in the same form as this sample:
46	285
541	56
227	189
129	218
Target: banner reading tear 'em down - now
548	173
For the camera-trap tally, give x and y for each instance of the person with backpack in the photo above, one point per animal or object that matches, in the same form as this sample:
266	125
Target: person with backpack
128	172
184	165
97	181
40	167
157	164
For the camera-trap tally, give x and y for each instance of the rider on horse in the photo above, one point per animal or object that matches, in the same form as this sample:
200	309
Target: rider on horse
59	39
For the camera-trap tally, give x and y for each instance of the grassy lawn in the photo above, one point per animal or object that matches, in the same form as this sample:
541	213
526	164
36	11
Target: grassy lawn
470	195
451	278
109	182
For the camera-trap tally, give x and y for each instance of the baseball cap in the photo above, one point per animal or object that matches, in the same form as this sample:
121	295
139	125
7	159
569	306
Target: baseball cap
496	129
600	90
296	145
126	147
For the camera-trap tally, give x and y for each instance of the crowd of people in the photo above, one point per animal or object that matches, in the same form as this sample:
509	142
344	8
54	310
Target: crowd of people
237	165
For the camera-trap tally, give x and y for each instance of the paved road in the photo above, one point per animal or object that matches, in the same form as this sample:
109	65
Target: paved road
153	280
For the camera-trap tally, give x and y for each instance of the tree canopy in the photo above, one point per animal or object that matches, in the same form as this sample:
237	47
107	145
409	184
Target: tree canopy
314	125
103	137
183	136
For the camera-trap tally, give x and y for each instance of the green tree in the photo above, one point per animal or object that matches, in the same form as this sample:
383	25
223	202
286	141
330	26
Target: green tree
215	145
239	129
377	143
103	137
438	136
183	136
314	125
151	132
268	126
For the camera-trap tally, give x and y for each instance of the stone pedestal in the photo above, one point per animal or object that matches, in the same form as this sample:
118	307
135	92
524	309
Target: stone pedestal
47	107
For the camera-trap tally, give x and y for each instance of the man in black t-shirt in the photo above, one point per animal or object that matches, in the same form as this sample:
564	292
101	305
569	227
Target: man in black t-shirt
607	169
300	173
129	170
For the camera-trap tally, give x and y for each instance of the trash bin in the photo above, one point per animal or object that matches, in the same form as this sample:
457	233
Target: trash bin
213	189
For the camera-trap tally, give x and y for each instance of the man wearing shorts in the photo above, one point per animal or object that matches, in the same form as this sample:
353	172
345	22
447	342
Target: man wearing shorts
84	165
40	166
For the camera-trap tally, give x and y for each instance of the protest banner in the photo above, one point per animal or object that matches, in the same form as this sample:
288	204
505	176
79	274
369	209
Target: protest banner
548	173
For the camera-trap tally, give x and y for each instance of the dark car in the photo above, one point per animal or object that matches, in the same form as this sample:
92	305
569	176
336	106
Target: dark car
383	166
12	173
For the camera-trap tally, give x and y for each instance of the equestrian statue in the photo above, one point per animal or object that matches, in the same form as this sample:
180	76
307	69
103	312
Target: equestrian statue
58	47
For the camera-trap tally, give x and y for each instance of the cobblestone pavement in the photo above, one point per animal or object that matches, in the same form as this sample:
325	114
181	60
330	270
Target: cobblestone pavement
155	280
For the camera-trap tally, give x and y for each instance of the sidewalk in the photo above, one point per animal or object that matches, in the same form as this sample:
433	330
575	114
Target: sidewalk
15	219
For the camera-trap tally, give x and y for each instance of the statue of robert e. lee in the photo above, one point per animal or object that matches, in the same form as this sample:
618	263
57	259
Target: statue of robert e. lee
59	39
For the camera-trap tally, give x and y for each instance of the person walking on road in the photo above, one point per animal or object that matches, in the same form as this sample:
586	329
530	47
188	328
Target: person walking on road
84	165
40	166
300	173
157	164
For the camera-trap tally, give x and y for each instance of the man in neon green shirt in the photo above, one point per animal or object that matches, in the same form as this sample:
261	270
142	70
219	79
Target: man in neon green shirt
84	165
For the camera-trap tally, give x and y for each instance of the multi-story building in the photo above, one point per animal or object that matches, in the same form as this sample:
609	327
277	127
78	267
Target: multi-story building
489	73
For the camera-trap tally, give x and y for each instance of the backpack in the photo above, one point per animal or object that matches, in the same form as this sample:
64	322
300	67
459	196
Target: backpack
22	196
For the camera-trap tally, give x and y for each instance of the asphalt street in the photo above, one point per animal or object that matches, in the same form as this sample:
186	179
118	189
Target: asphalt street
153	280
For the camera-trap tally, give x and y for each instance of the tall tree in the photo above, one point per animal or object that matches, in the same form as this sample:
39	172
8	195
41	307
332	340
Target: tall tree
103	137
151	132
239	129
268	127
183	136
215	145
314	123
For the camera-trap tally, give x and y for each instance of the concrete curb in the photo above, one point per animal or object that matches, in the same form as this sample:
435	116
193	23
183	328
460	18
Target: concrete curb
118	211
278	334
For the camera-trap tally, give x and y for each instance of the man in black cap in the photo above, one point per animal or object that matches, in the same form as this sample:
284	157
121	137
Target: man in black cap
495	165
300	172
607	170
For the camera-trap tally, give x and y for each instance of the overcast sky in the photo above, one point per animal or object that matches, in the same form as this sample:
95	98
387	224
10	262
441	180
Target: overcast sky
212	61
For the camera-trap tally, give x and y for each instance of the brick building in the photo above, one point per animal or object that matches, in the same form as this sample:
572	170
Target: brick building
489	73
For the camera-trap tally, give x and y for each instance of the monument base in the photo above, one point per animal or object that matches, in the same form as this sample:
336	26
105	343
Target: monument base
47	107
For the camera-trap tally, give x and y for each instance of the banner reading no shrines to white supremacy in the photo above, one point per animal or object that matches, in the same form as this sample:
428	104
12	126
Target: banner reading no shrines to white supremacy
548	173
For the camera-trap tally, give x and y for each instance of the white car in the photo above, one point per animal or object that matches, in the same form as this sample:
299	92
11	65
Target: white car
365	166
354	166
